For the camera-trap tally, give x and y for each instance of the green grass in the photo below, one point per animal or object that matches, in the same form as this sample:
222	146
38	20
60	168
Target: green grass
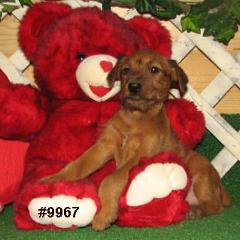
225	226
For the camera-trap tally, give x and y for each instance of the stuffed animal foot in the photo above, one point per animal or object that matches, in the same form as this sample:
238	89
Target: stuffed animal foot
104	219
61	205
62	211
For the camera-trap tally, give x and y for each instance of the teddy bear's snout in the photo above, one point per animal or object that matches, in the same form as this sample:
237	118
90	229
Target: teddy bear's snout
92	74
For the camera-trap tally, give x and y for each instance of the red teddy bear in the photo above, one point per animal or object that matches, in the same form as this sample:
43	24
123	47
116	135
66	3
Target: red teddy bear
72	51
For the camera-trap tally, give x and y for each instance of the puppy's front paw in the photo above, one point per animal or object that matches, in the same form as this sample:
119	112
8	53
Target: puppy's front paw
103	220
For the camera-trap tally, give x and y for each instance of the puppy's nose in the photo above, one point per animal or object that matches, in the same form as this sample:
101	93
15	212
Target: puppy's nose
134	87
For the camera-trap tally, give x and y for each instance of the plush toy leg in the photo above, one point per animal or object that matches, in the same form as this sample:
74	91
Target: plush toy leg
155	195
51	206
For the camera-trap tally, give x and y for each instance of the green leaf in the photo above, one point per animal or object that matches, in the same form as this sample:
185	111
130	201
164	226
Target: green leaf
145	6
198	8
165	15
162	9
189	24
25	2
129	2
169	13
8	8
169	6
236	11
213	3
194	21
164	3
226	34
213	23
221	25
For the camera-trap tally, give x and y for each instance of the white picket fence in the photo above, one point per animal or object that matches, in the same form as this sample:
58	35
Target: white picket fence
209	97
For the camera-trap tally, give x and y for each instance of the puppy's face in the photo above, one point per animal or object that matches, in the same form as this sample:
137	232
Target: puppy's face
146	79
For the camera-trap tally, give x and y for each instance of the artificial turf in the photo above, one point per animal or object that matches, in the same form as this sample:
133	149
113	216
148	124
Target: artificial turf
225	226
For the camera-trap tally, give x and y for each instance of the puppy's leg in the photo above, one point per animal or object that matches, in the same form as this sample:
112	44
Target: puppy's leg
210	196
113	185
110	192
94	158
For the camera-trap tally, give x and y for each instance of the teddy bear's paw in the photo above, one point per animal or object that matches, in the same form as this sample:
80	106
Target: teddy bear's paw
157	180
62	211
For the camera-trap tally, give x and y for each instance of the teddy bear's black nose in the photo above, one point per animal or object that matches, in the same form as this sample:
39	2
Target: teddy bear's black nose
134	87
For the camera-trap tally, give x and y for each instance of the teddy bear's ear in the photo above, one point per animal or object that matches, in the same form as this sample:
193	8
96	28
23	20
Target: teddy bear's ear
153	33
37	21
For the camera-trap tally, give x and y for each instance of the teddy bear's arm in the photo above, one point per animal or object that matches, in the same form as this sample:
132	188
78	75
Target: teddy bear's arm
23	110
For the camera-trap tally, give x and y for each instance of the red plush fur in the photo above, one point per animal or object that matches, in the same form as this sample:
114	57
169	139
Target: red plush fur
186	120
60	122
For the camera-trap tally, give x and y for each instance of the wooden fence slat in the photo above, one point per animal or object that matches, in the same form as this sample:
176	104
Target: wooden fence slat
181	47
224	161
217	89
73	3
87	4
216	124
19	60
132	13
11	72
19	13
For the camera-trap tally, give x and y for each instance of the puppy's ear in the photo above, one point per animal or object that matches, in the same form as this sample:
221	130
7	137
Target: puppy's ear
115	75
179	78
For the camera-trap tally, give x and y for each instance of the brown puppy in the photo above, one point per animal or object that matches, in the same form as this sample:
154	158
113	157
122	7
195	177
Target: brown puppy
139	129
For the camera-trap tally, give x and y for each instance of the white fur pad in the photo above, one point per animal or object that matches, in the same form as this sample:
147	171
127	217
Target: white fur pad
158	180
67	211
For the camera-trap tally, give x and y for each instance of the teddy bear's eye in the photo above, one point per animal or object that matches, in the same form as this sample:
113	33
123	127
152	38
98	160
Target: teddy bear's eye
80	56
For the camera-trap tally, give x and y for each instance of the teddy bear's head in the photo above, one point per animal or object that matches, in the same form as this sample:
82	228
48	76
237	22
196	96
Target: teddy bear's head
73	50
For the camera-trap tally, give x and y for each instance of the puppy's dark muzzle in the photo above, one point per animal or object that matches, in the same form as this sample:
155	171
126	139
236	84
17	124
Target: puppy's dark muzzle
134	87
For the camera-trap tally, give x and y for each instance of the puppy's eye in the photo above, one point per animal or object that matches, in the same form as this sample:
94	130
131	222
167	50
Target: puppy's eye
154	69
125	71
80	56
